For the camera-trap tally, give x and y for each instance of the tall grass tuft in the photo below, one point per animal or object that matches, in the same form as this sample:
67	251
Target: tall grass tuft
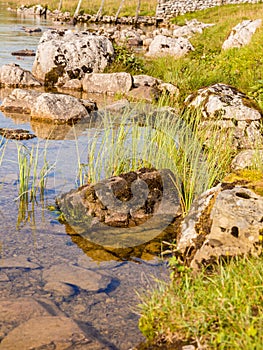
161	140
32	178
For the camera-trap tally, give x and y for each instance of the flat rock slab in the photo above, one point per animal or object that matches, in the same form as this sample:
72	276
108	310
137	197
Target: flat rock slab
58	108
25	52
49	332
77	276
20	261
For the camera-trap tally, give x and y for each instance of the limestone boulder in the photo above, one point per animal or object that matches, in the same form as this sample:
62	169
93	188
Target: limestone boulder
190	28
12	75
248	158
225	221
241	34
63	55
58	108
229	109
107	83
162	45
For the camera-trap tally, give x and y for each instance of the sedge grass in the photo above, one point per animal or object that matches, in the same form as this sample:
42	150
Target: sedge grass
32	178
162	141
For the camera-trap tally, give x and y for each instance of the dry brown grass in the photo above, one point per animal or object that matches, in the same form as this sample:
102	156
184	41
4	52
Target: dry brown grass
110	6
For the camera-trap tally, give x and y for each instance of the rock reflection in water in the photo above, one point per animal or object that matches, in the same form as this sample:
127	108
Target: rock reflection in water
147	251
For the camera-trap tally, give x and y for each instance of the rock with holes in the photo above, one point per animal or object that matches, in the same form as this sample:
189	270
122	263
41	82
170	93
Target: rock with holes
227	220
164	45
241	34
63	55
231	110
12	75
125	210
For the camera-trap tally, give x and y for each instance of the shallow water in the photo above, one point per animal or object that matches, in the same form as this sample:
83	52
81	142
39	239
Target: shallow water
32	240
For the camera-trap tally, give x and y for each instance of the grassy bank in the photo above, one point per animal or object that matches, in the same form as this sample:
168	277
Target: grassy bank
208	64
219	311
110	6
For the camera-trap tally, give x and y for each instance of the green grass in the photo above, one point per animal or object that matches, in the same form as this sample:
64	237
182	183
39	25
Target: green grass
153	141
208	64
219	311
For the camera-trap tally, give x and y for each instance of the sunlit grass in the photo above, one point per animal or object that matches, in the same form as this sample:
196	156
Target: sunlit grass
219	311
110	6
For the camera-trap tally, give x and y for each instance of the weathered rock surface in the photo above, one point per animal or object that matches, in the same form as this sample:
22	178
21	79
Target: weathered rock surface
77	276
247	159
225	221
241	34
230	109
12	75
58	108
107	82
48	332
190	28
147	199
163	45
16	134
63	55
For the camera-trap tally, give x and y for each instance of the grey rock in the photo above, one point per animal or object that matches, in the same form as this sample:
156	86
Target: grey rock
63	55
241	34
107	83
58	108
59	289
163	45
223	222
220	103
190	29
12	75
247	159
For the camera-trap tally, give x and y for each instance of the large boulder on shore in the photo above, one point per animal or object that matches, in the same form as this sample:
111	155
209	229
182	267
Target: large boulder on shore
223	222
58	108
63	55
163	45
12	75
110	211
230	109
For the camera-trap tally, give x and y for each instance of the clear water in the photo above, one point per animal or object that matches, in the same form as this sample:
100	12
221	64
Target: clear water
31	231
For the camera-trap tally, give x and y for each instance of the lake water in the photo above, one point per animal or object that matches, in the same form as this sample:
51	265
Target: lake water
33	241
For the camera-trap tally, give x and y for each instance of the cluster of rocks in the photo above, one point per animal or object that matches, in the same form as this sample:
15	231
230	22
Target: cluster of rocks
172	8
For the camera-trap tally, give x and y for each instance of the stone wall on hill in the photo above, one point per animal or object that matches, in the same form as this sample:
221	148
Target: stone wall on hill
172	8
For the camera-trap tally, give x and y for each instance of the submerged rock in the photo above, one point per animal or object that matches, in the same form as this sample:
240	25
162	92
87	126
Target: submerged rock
16	134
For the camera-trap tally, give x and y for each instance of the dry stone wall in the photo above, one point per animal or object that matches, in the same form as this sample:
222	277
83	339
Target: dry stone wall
172	8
